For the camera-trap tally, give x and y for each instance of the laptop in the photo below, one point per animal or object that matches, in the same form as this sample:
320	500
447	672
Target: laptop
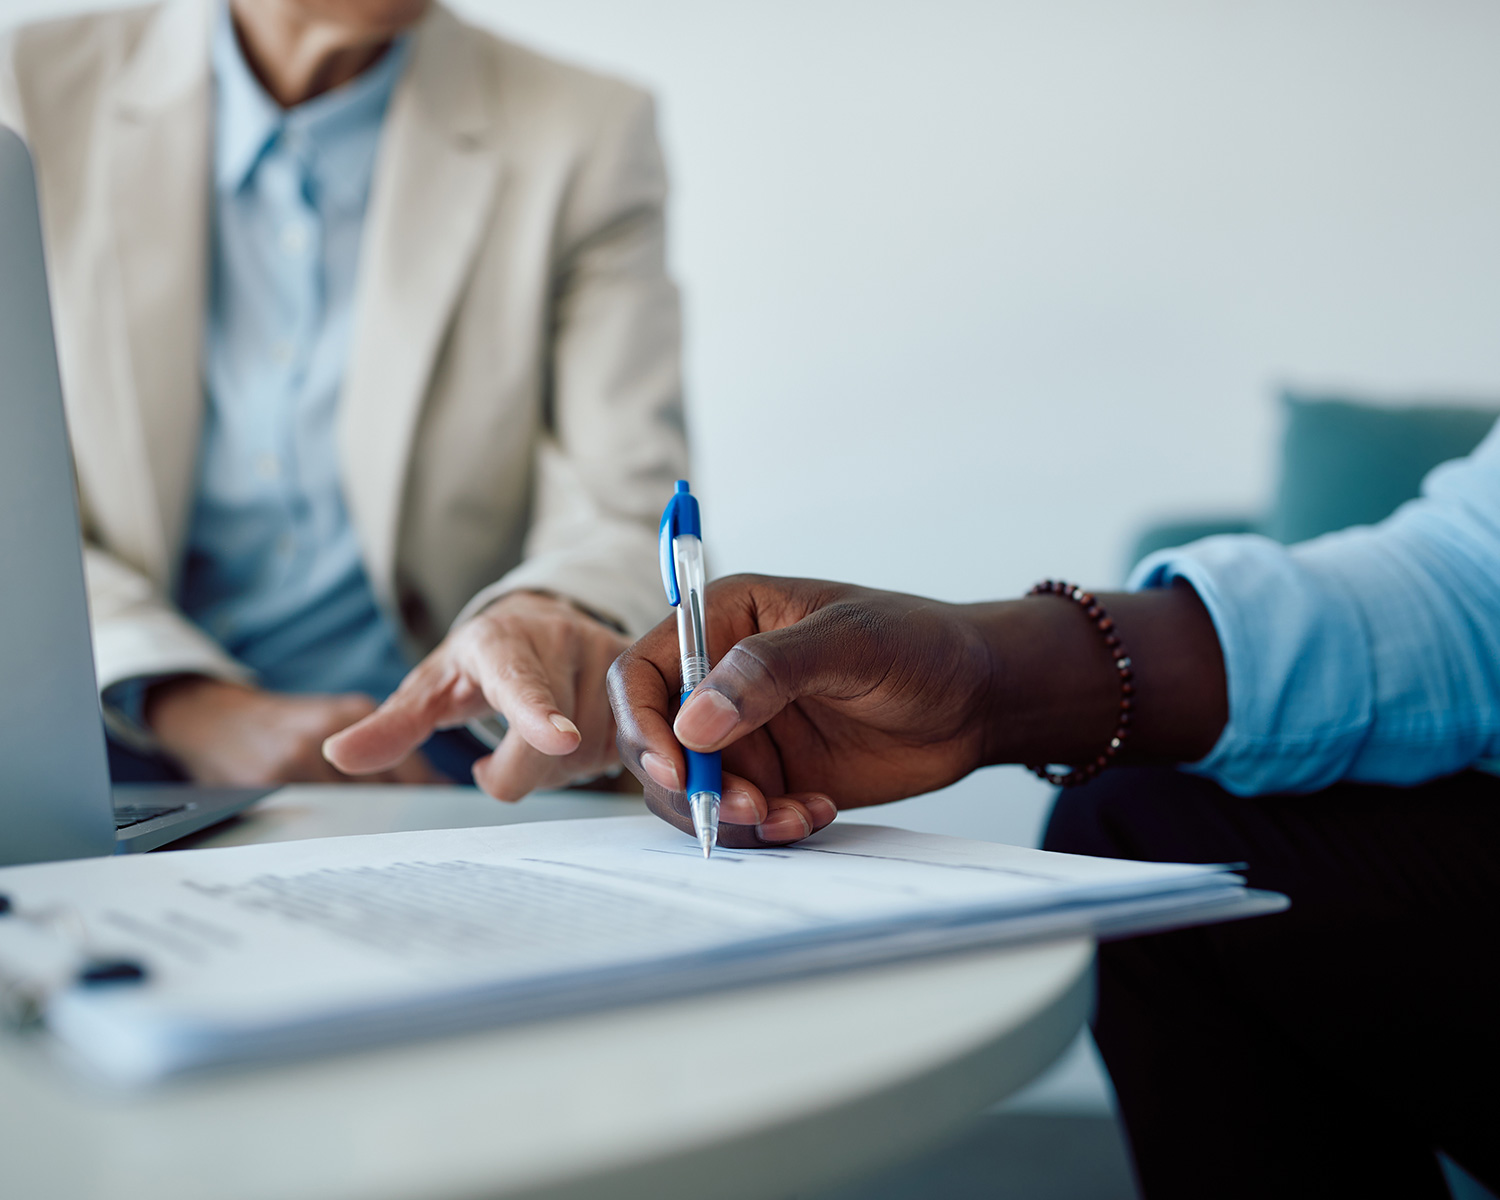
56	799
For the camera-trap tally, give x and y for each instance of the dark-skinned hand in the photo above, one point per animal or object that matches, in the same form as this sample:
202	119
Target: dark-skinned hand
831	696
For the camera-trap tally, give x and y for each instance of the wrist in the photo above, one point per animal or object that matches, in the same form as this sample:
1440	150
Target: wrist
168	701
1054	694
1054	690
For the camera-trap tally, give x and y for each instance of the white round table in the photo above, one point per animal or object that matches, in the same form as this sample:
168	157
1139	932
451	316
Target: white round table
804	1083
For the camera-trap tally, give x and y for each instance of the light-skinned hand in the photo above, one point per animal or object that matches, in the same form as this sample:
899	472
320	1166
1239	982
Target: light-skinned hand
229	734
537	660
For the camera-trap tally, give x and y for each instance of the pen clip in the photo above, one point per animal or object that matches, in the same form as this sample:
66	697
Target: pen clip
678	518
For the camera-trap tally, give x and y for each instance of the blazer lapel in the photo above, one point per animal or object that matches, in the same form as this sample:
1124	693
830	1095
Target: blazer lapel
435	184
158	180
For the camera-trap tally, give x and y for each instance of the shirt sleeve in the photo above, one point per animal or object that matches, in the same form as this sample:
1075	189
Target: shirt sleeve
1370	655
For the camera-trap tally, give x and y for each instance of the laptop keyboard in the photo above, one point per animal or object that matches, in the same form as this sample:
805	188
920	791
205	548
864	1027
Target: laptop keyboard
127	815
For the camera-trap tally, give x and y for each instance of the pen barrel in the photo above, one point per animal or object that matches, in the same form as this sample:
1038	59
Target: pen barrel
703	774
703	771
692	639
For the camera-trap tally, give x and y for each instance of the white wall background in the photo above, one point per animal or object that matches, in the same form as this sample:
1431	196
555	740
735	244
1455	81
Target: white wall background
975	289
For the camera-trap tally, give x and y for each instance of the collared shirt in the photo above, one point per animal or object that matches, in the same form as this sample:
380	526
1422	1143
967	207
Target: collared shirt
1370	655
273	568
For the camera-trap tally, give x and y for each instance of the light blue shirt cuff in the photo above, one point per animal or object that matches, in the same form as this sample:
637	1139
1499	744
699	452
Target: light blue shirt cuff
1296	657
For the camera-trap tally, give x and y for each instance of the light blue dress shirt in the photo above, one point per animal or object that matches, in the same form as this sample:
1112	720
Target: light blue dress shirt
273	568
1370	655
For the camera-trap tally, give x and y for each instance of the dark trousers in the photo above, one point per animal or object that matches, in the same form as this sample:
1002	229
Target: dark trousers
1326	1051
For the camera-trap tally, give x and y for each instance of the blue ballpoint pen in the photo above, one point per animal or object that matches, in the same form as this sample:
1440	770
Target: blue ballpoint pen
682	575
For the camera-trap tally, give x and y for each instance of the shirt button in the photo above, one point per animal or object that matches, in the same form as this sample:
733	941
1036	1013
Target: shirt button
294	239
282	352
285	545
268	466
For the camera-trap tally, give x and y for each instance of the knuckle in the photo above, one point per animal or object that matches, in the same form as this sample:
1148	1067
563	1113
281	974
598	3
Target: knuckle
533	695
470	634
521	664
757	664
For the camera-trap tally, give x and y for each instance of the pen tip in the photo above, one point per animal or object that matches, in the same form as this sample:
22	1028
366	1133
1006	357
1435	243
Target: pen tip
704	807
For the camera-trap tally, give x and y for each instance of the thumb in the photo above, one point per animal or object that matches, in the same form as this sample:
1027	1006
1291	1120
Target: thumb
764	673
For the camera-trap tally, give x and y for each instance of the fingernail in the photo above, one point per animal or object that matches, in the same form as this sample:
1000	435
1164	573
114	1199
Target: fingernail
564	725
707	717
822	810
783	825
661	770
739	808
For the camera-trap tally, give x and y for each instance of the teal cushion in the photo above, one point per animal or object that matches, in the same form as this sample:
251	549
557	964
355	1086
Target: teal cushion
1345	463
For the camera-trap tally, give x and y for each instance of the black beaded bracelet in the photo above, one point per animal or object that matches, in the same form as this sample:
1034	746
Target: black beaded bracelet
1101	620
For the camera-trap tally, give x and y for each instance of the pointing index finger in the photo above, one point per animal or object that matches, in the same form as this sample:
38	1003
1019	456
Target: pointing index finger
386	736
515	684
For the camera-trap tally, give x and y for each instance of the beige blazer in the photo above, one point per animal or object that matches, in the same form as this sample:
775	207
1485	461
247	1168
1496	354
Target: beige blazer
511	413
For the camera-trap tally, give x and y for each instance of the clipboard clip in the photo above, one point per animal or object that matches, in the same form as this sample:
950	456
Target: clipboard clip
45	952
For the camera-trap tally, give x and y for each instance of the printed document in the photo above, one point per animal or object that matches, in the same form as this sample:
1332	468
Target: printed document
271	951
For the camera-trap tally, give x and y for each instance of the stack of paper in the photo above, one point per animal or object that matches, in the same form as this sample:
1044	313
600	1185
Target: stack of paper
272	951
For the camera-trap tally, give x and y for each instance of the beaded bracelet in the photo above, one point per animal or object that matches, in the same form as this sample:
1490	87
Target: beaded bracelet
1095	613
